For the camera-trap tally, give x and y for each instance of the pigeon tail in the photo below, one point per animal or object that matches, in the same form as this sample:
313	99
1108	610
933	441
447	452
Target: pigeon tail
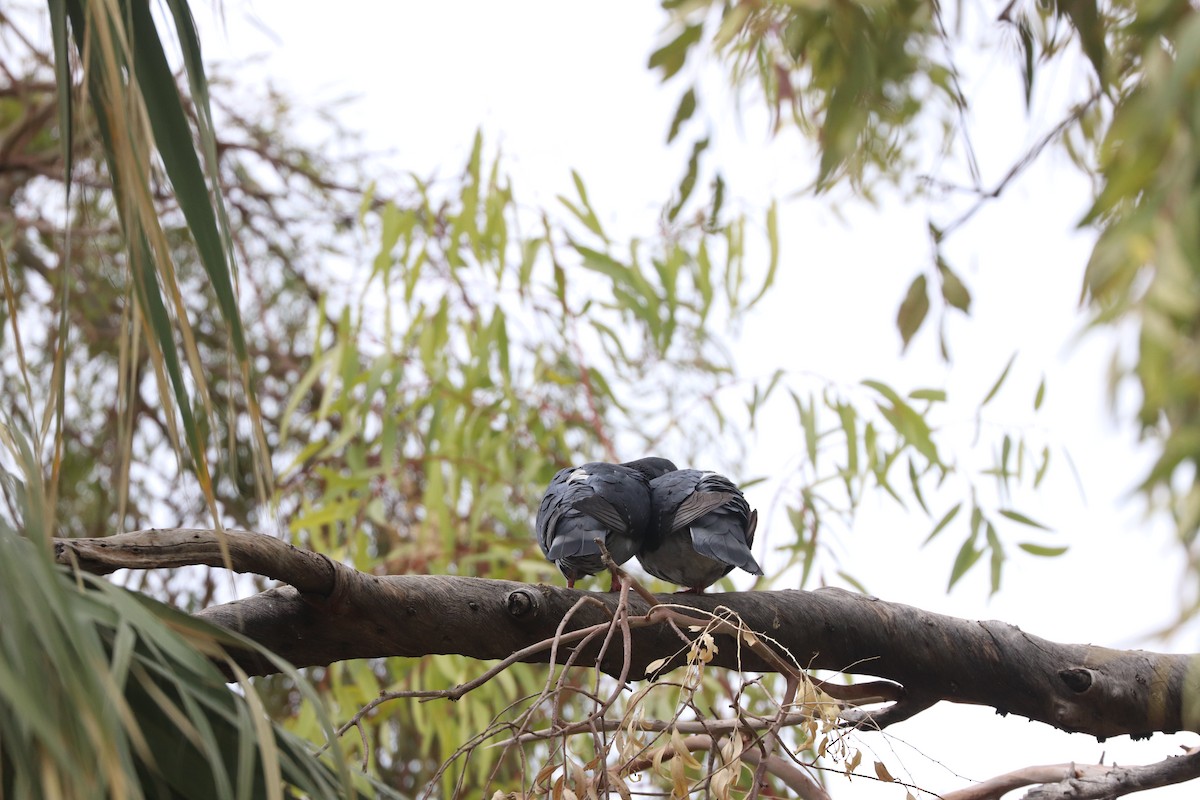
724	545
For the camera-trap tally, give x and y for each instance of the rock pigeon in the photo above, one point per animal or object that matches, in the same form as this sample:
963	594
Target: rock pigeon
597	500
703	528
652	467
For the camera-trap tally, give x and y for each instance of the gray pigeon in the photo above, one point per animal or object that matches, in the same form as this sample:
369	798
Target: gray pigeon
597	500
703	528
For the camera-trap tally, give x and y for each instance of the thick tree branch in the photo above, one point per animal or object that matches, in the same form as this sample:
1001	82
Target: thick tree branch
332	612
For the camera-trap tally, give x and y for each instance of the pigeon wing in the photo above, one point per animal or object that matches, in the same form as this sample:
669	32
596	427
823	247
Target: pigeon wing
696	505
555	503
603	512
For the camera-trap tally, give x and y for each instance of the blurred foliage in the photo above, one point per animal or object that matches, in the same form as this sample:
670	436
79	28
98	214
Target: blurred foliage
115	467
870	82
104	692
108	693
477	361
119	696
870	442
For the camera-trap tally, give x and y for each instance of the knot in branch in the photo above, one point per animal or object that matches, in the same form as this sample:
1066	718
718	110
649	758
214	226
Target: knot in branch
1077	679
520	602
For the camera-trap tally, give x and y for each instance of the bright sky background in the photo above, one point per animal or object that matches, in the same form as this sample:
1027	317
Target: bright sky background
564	85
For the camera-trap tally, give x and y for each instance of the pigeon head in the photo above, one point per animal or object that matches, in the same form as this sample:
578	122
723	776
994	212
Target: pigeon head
651	467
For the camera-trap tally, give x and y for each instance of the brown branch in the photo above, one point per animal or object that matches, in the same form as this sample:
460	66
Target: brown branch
308	572
333	613
1085	781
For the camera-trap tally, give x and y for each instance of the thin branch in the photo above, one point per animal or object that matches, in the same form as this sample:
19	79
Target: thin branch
256	553
983	196
1085	781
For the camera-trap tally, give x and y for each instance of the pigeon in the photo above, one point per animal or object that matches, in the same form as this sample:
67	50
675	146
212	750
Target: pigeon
652	467
702	528
597	500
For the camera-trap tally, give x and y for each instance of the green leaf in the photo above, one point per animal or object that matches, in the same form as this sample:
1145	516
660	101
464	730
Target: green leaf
997	560
718	200
1016	516
932	395
687	107
1085	15
913	309
915	481
942	523
999	381
689	179
671	57
170	125
1042	550
1041	394
808	422
966	558
954	291
1029	60
773	253
584	213
850	431
906	421
885	390
1041	470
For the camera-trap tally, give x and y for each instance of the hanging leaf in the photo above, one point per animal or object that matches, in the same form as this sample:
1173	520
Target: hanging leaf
913	309
687	107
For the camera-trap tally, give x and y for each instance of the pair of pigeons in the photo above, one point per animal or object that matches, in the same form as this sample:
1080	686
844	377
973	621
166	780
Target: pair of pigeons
685	526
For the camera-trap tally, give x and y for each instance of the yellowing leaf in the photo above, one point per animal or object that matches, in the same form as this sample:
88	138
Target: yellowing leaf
679	781
681	751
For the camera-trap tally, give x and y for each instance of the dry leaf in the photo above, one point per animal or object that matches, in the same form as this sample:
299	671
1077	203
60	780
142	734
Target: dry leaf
679	781
721	782
617	783
681	751
656	757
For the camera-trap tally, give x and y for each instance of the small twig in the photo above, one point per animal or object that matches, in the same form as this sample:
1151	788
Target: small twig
770	741
366	745
624	577
1022	163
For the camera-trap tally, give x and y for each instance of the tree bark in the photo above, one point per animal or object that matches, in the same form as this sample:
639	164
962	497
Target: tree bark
331	612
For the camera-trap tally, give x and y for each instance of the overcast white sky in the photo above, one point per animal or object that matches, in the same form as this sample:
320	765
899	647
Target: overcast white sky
563	85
